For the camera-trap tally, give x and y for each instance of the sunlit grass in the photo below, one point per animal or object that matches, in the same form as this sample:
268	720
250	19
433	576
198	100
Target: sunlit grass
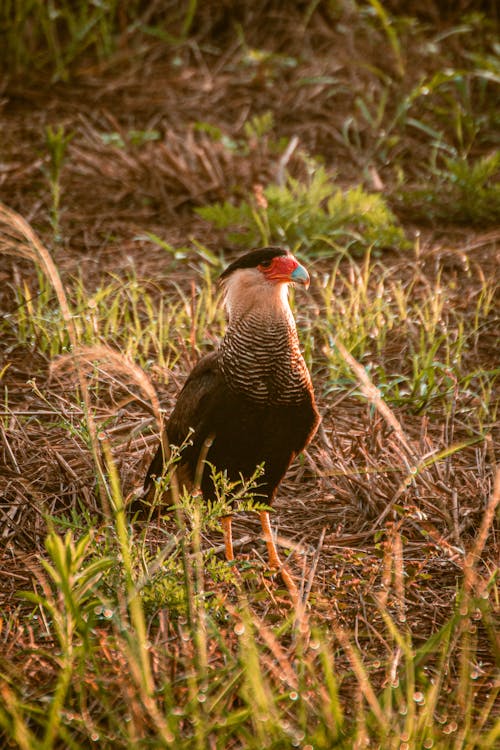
415	339
236	679
132	315
364	305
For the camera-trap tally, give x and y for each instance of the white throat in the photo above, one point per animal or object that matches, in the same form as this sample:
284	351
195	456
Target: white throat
247	292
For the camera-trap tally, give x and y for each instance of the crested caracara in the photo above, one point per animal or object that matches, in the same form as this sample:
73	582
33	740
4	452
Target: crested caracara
251	401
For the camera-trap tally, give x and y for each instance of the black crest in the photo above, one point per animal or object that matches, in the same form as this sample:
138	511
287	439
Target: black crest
253	259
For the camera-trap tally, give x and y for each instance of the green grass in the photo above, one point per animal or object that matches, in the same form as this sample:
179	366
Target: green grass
123	313
367	308
234	679
57	36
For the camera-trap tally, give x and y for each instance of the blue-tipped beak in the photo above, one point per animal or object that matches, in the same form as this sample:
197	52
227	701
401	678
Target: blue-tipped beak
300	276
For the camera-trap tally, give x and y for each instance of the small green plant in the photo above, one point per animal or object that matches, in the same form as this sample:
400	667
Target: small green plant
68	599
69	594
54	35
57	141
465	191
259	126
132	137
315	216
257	136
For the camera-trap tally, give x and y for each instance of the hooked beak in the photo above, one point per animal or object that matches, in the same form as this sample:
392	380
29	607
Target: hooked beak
300	276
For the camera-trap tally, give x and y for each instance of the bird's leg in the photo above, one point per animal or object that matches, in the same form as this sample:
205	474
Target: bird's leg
272	552
274	559
228	537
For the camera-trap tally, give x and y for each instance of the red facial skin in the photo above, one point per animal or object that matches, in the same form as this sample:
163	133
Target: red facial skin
282	268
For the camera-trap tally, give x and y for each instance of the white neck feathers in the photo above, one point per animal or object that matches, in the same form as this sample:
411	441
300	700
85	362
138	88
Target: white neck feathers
246	291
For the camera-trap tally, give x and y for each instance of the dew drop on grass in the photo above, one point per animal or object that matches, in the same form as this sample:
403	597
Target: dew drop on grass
239	628
201	698
94	737
314	645
428	743
293	695
297	738
419	698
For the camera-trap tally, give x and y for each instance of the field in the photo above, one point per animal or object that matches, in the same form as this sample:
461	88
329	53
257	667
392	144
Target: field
145	145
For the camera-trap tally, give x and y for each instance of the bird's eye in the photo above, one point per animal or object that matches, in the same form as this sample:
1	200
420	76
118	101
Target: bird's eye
265	264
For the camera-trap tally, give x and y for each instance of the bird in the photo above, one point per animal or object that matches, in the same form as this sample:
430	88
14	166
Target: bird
250	403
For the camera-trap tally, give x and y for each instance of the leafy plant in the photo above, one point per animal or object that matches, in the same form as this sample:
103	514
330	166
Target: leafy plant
316	216
69	600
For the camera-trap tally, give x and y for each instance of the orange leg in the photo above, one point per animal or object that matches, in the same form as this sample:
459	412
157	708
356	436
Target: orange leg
274	559
228	537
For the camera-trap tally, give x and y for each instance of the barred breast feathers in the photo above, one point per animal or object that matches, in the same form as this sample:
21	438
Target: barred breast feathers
260	353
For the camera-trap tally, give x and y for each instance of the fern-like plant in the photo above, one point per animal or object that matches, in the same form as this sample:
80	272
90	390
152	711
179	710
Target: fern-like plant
316	215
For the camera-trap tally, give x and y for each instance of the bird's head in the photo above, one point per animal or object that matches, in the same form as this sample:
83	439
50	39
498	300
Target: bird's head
260	279
274	265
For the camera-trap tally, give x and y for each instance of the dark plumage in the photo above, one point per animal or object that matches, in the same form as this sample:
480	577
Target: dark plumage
252	397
